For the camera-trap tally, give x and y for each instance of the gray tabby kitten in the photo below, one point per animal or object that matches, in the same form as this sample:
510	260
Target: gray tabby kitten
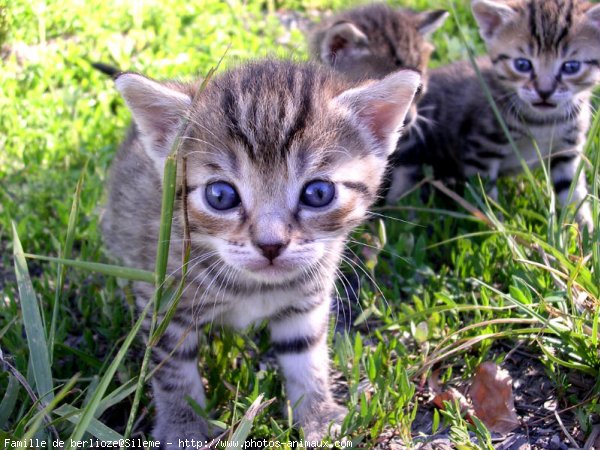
375	40
282	160
543	63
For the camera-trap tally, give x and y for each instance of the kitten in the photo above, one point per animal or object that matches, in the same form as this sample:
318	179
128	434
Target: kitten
375	40
282	162
543	63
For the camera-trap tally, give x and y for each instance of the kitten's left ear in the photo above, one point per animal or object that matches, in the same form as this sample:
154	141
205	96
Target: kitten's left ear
430	21
380	107
490	15
157	110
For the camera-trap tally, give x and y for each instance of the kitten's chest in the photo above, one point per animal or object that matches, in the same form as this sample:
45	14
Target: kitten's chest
535	144
252	308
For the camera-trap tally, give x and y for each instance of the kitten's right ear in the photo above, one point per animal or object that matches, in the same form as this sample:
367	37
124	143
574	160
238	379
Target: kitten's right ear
157	111
593	16
379	108
490	15
343	41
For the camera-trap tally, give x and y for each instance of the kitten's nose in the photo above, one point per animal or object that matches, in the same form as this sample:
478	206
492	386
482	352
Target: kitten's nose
271	250
545	94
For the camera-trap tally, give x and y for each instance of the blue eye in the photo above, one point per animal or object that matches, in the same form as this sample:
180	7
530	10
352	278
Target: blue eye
221	195
523	65
318	193
570	67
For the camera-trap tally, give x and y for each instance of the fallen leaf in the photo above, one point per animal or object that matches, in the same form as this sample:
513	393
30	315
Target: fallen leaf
452	395
449	395
492	398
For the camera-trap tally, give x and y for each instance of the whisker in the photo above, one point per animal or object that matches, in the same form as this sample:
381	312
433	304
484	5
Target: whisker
395	219
371	279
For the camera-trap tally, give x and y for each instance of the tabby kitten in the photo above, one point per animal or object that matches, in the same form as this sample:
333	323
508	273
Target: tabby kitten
282	161
543	63
375	40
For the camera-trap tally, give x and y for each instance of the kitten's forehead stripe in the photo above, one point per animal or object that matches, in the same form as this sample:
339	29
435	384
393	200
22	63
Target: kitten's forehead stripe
550	22
283	114
229	108
302	114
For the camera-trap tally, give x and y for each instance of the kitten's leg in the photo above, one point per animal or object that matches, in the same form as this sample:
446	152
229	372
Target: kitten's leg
299	337
564	168
488	169
177	377
405	168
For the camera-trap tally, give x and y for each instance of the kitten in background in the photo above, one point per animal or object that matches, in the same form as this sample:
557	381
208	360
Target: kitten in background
543	62
282	162
375	40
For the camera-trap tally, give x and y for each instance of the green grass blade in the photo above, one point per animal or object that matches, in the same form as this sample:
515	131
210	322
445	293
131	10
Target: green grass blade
166	219
95	427
116	396
164	239
569	364
44	412
34	329
594	131
66	253
105	269
162	256
9	401
88	412
242	431
595	194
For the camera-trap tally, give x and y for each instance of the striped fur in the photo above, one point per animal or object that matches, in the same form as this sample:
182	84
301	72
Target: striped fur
266	128
544	106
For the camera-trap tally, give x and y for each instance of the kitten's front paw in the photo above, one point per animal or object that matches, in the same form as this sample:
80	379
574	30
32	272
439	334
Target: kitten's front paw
181	436
326	421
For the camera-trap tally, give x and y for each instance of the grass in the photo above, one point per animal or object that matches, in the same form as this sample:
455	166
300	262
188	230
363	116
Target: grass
451	284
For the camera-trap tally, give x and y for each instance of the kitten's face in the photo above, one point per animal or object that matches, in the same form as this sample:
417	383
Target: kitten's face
375	40
282	161
278	215
546	51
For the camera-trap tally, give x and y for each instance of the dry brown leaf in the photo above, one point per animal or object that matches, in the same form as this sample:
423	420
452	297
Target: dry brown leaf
452	395
492	398
449	395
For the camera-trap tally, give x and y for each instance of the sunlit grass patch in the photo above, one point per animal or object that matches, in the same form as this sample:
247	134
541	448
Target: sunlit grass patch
455	284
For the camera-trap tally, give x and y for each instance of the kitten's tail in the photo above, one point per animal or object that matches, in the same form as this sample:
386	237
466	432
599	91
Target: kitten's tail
106	69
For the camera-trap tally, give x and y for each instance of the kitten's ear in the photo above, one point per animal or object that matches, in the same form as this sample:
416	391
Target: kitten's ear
380	107
593	16
430	21
490	15
343	41
157	111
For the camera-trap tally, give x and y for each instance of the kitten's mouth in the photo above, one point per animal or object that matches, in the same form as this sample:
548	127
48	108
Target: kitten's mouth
272	273
277	267
544	105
